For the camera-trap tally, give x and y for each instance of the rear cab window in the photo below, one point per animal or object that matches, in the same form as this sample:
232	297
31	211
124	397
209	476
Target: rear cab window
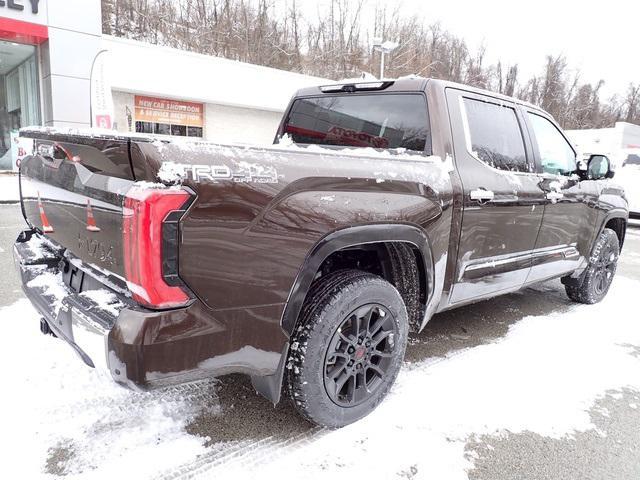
382	121
494	135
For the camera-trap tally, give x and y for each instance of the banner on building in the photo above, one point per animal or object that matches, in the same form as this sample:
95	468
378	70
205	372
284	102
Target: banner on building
20	148
171	112
101	95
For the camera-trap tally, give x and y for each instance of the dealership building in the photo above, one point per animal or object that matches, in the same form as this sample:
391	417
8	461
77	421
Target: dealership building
49	51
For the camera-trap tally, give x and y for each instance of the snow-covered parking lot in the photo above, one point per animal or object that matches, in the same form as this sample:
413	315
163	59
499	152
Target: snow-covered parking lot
527	385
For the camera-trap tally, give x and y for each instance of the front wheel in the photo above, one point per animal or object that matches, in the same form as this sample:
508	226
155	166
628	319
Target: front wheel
600	271
348	348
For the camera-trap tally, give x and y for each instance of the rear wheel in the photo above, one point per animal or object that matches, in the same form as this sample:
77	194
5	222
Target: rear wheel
600	272
348	349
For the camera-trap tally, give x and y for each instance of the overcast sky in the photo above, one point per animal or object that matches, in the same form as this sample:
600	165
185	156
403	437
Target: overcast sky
601	39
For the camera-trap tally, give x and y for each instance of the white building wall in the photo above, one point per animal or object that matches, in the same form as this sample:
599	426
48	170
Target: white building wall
240	125
157	71
75	29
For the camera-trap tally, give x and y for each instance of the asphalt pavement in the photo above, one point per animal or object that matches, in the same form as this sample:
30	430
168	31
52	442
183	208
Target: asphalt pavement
611	451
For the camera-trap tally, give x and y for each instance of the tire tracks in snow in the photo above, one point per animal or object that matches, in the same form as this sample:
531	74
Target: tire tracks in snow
127	404
239	455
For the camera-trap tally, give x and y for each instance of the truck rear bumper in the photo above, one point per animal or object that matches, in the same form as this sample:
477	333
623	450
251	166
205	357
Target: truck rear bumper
67	321
145	349
80	321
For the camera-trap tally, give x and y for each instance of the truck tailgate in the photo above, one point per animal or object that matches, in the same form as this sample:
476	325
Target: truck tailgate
72	189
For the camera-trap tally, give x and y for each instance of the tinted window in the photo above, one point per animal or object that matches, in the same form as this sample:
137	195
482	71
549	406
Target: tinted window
556	154
194	131
144	127
377	121
162	128
179	130
495	135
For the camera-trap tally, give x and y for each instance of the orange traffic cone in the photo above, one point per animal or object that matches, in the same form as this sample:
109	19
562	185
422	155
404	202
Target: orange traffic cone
46	226
91	221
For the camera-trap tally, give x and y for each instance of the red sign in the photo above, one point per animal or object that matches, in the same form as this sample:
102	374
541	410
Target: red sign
174	112
103	121
23	32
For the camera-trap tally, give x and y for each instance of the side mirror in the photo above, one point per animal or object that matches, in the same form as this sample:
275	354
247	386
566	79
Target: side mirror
599	167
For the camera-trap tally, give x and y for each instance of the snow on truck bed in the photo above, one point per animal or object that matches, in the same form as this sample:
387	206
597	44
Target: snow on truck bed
61	417
177	154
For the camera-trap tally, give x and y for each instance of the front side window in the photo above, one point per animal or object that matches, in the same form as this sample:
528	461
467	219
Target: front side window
378	121
556	154
495	135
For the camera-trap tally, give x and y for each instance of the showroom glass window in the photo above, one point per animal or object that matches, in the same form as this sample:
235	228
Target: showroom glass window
168	129
19	98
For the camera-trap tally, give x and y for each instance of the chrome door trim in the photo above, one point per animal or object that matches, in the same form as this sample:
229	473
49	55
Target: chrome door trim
525	259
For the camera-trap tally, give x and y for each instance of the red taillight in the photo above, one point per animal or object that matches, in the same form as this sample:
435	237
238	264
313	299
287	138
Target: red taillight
145	211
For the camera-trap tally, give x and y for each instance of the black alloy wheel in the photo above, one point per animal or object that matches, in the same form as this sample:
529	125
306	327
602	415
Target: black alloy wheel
359	355
604	269
598	275
348	347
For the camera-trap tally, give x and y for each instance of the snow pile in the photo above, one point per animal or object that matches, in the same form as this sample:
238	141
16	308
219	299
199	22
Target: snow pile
172	173
104	300
52	286
41	246
286	141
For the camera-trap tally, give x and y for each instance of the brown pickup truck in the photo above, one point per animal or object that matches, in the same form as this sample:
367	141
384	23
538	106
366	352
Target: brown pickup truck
304	264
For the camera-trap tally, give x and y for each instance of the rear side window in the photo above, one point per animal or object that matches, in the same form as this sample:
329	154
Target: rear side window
377	121
495	135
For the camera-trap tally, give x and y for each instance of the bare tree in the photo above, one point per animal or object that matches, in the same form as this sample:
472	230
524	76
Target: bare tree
335	42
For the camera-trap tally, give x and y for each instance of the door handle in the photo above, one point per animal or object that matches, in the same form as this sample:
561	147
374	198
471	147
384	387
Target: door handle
481	195
554	196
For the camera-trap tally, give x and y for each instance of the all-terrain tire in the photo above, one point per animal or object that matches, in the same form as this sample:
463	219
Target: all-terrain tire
405	277
332	301
600	271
